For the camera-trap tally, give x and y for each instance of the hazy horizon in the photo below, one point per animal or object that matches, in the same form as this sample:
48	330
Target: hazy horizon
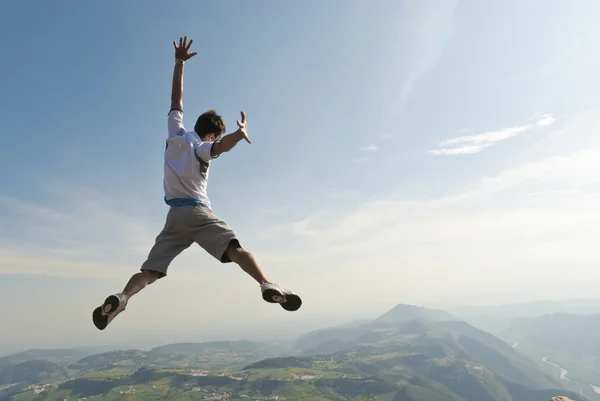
297	327
433	153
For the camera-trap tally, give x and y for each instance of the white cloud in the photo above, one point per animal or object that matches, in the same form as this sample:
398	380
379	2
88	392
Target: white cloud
462	150
369	148
387	136
470	144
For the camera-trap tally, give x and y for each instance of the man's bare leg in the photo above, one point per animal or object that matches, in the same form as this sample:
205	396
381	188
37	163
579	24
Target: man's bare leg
246	261
271	293
139	281
115	304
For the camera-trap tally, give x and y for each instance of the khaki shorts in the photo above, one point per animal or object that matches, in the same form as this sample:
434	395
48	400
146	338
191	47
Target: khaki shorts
185	225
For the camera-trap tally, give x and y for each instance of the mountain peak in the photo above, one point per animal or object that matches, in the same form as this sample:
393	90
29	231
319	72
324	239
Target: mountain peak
403	312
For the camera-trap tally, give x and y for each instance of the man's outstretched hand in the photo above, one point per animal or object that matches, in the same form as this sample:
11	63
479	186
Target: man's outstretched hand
230	140
243	127
181	52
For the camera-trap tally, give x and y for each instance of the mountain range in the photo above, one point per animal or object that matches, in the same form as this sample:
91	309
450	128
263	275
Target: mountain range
409	353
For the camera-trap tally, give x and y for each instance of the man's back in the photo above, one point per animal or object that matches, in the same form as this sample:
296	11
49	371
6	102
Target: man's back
186	164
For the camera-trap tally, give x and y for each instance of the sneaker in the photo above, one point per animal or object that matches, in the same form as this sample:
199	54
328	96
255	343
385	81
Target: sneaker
276	294
113	305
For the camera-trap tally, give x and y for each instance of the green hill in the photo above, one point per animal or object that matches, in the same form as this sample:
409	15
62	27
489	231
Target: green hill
207	355
30	372
449	380
212	347
52	355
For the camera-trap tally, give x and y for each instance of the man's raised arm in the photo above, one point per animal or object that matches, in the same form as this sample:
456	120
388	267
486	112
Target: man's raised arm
181	56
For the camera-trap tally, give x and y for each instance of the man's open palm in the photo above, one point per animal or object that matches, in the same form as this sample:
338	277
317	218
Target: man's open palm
182	51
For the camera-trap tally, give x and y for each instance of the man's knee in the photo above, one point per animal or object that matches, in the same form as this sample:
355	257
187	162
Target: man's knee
151	276
236	253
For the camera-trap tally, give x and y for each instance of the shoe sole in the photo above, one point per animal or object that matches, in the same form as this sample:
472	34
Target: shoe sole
289	302
99	318
292	303
273	296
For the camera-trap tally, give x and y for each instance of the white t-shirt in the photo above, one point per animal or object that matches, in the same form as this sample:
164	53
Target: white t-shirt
187	160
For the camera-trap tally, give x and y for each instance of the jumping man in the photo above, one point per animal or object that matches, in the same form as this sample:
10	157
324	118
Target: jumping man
190	219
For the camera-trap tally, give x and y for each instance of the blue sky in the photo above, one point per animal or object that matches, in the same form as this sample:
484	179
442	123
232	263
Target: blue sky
428	152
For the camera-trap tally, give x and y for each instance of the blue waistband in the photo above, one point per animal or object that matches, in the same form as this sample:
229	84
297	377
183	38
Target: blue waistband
178	202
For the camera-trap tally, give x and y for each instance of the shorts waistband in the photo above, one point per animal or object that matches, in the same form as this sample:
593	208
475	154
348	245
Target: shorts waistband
178	202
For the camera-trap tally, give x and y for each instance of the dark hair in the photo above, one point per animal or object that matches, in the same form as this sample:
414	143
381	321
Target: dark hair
208	123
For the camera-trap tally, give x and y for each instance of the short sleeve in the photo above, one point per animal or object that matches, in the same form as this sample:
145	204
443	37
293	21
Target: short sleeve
204	151
175	123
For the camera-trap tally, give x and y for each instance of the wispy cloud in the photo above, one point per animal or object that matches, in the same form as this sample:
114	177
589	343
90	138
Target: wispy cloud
558	177
99	238
387	136
428	39
470	144
369	148
80	238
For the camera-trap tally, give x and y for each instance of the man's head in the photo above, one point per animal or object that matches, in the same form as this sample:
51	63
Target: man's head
210	126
